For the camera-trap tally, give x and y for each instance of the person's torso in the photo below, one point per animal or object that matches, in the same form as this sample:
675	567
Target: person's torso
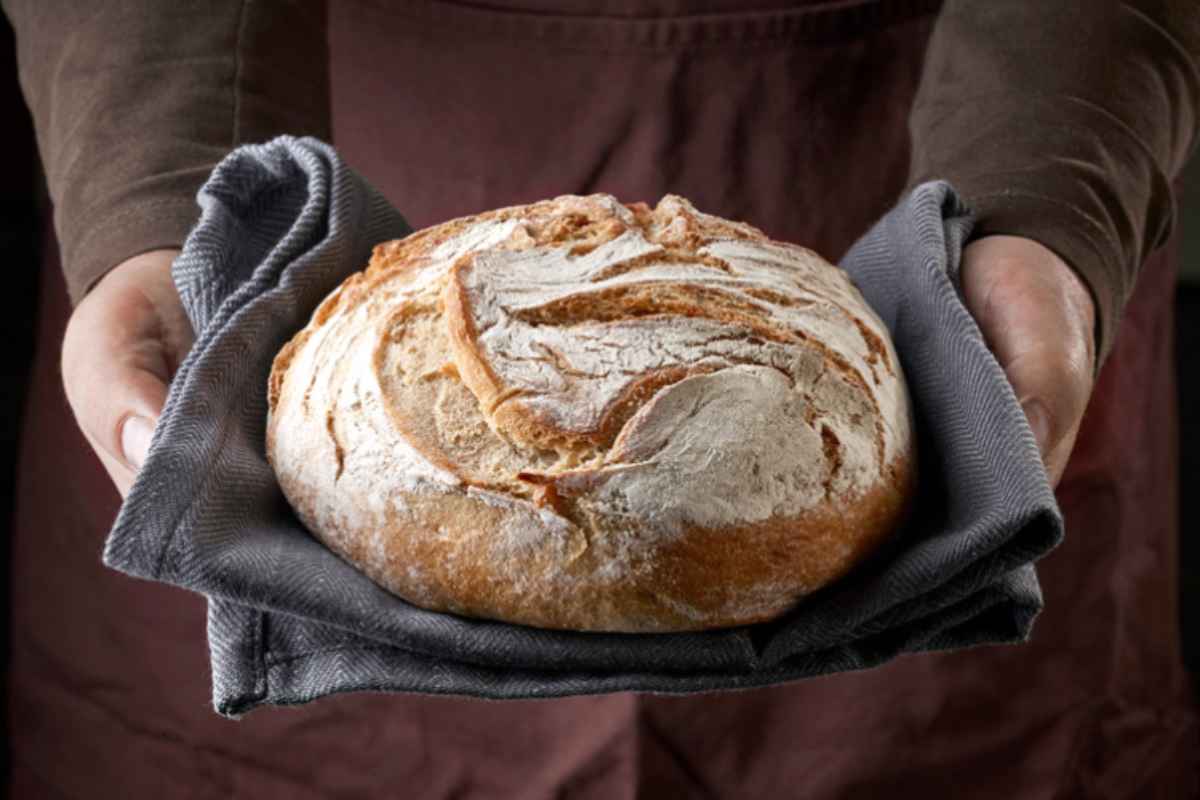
791	116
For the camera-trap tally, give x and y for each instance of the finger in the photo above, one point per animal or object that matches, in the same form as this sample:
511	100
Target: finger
1053	389
116	365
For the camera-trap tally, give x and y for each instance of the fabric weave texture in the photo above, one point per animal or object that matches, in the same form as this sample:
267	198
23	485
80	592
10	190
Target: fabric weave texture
283	223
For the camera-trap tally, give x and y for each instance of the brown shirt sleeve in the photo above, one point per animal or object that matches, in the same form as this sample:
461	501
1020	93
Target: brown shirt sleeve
1065	122
135	102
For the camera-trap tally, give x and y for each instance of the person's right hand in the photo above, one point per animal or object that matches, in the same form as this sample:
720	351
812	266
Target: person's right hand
123	344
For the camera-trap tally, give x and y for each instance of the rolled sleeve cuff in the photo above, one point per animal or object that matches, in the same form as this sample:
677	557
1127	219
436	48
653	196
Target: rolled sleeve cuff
147	225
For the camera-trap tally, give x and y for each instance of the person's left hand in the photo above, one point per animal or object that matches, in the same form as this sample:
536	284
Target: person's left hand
1038	318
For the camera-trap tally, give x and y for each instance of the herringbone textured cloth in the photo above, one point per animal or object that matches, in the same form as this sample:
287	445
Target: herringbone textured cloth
284	222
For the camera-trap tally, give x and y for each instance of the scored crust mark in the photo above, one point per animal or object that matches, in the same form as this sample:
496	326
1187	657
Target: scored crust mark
878	352
666	255
636	393
775	297
832	447
338	450
658	298
473	369
403	358
279	367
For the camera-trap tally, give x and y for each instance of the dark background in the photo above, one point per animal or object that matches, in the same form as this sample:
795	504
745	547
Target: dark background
20	200
22	203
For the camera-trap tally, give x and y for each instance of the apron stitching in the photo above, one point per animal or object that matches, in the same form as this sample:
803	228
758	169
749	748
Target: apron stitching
812	25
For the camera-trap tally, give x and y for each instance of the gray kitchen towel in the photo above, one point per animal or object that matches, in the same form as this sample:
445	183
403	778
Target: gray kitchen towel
283	223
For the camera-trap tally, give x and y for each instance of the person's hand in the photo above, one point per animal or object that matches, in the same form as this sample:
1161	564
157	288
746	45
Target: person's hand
123	343
1037	317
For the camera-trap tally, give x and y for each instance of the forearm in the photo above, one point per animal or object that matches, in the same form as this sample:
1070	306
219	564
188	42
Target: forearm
135	102
1065	123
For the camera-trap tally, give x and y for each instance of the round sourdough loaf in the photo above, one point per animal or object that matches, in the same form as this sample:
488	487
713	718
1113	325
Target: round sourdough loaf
589	415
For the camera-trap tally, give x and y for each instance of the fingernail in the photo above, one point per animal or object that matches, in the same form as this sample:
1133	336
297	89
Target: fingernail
1039	421
135	440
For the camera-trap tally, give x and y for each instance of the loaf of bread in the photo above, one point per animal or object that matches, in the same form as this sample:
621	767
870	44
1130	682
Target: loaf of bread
589	415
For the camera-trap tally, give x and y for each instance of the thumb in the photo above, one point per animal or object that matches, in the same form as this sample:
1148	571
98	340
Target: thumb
122	345
1037	318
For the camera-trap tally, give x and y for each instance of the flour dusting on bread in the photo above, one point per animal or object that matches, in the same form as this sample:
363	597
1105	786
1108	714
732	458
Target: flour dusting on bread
586	414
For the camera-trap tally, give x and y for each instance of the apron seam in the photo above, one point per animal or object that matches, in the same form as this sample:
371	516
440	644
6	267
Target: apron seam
815	25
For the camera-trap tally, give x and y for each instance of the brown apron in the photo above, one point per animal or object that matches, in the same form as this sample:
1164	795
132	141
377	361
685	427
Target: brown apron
796	121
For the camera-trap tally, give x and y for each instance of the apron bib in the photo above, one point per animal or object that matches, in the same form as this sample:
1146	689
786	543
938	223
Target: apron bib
789	115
